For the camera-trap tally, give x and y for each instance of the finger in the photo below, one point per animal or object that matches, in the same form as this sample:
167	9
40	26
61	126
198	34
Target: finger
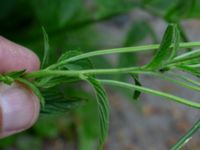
15	57
19	109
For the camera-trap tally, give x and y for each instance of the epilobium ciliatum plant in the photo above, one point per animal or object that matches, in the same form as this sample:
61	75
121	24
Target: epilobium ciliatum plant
74	66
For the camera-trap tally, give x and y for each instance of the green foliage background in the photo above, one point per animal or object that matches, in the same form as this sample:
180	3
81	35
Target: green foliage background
71	25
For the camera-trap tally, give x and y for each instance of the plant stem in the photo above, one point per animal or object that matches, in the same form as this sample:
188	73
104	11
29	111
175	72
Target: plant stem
194	66
187	79
185	139
186	57
151	91
119	50
78	73
174	80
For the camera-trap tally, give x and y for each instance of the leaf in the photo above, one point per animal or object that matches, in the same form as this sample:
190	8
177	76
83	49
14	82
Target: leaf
57	102
136	34
103	109
46	49
77	65
34	89
136	93
158	6
182	9
195	10
110	7
55	14
54	81
88	124
165	52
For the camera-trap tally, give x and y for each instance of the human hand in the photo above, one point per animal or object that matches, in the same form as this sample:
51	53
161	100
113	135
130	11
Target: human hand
19	107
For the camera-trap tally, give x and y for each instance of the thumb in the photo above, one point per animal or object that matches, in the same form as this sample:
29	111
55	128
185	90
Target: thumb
19	108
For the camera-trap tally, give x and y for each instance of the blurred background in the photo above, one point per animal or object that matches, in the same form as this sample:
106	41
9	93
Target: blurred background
148	124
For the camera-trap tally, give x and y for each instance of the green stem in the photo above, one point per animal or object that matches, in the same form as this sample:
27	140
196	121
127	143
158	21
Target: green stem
119	50
135	70
196	83
185	139
194	66
78	73
151	91
183	34
186	57
174	79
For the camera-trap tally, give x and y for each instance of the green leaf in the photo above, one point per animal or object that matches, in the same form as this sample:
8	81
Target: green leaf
55	14
46	49
110	7
136	93
165	53
182	9
34	89
50	82
103	109
158	7
138	32
195	11
57	102
77	65
88	125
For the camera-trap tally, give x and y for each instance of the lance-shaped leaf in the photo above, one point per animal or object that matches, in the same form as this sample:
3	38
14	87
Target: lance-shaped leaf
46	49
165	52
77	65
103	109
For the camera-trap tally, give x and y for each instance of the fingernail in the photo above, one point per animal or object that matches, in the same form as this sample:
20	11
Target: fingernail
19	109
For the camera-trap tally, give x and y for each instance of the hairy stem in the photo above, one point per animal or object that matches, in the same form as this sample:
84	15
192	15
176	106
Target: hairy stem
78	73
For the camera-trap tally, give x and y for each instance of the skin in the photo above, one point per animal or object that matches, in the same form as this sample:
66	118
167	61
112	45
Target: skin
19	107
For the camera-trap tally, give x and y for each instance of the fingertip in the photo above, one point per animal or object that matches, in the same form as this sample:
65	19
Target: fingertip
16	57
